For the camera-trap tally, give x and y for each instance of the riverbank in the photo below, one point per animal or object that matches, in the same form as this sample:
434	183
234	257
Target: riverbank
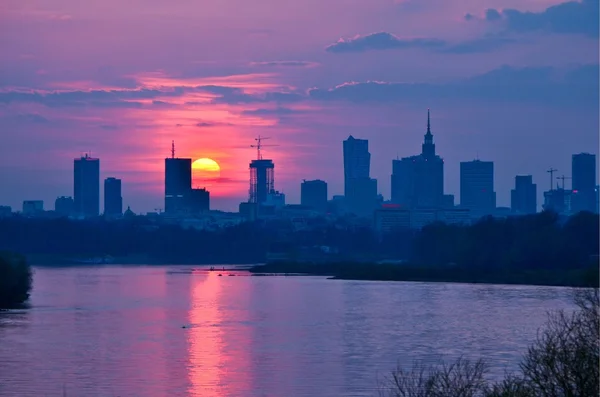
584	277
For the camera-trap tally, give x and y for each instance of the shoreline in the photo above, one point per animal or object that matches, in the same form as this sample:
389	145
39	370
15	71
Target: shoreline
577	278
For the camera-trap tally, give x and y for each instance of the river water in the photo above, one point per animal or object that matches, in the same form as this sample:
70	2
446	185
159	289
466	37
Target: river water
175	331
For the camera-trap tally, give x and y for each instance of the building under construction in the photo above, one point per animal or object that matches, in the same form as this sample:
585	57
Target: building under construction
262	175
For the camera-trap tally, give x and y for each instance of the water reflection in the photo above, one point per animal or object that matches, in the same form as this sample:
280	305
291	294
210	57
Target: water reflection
117	331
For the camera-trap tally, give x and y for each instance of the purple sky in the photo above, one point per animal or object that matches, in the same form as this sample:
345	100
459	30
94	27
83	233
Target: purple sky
513	81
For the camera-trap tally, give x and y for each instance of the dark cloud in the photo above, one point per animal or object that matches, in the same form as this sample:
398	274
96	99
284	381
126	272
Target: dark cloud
541	85
108	76
492	15
387	41
163	104
301	64
573	17
469	17
30	118
208	124
109	127
381	41
278	111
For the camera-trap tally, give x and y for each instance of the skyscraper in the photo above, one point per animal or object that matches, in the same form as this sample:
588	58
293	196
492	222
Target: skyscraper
86	178
523	198
113	201
477	187
313	194
583	171
262	180
418	181
178	182
360	189
198	201
357	160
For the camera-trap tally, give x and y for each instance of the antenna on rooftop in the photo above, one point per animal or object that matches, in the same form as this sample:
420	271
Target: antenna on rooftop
172	149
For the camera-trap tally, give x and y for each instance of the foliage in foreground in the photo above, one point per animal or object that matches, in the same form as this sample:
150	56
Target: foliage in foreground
15	279
562	362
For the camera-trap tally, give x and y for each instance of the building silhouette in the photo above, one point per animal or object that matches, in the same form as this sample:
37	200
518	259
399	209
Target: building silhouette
360	190
262	180
313	194
64	205
86	178
113	201
477	187
178	182
198	201
418	181
583	178
523	198
33	207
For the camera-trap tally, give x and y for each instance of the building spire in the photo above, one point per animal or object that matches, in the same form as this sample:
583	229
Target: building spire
428	123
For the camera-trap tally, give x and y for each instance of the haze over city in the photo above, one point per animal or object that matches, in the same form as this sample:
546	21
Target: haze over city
514	82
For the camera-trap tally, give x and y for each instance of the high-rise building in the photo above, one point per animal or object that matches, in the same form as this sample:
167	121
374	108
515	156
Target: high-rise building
178	182
357	160
198	201
262	180
87	186
418	181
113	201
477	187
523	198
583	169
313	194
360	189
64	205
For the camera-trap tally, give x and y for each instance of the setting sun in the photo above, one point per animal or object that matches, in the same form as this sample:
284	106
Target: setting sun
206	164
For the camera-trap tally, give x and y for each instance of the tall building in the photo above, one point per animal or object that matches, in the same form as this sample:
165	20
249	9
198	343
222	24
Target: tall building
178	182
523	198
113	201
357	160
64	205
583	177
87	186
262	180
418	181
477	188
313	194
360	189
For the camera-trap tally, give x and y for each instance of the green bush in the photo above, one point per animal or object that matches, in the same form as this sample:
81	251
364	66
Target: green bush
15	279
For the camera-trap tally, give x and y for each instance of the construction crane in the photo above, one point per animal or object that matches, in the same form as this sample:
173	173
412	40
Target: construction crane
563	180
551	171
259	145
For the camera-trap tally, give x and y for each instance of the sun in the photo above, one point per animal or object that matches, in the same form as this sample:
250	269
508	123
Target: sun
205	170
206	164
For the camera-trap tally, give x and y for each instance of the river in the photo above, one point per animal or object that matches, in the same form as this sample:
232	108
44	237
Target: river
174	331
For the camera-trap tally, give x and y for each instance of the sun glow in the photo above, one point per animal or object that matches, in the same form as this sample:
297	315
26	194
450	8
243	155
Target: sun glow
206	165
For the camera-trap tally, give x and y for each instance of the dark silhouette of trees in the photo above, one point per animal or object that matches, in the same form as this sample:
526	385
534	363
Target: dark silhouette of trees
562	362
15	279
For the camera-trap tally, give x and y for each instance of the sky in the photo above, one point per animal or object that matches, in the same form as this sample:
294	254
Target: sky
510	81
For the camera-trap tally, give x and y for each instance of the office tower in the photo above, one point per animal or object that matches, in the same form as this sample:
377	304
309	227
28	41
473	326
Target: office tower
523	198
359	188
113	201
583	177
357	160
87	186
313	194
477	187
418	181
64	205
198	200
262	180
178	182
33	207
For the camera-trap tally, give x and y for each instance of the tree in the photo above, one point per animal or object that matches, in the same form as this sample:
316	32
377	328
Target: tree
15	279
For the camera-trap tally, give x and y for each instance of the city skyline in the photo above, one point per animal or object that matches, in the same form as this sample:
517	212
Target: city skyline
521	94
